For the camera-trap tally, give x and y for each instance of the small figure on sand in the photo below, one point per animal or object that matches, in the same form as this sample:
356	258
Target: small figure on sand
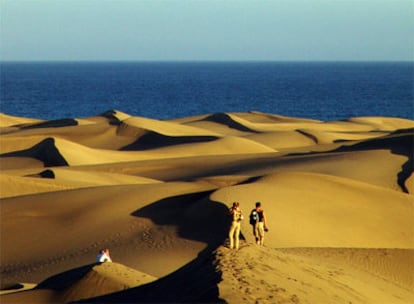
234	233
258	221
103	256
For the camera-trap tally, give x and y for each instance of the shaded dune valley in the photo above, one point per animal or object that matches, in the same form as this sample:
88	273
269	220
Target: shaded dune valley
338	197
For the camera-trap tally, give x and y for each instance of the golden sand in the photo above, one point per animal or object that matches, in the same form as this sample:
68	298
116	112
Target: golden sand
338	197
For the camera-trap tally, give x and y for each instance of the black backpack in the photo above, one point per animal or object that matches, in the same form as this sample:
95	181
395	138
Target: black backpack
254	217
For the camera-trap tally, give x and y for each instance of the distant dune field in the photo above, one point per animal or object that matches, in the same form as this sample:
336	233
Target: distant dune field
338	198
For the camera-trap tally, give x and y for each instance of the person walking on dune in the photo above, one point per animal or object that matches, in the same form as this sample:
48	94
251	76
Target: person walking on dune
234	233
258	221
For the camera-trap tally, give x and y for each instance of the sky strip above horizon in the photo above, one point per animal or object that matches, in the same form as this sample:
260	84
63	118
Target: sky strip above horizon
134	30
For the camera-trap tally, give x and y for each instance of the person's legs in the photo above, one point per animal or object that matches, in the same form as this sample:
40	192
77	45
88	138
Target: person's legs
257	233
231	234
254	231
261	233
237	235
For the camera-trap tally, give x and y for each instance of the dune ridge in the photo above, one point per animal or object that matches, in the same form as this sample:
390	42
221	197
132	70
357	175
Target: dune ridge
338	196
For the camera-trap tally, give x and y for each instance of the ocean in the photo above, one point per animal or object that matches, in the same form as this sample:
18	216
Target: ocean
165	90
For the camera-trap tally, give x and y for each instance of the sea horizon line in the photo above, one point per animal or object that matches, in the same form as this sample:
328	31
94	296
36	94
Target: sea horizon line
202	61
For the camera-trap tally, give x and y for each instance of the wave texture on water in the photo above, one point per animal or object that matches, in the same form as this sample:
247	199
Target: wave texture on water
165	90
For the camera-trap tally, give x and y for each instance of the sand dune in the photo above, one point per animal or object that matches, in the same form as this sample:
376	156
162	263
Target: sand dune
135	126
384	123
315	275
338	197
304	207
82	283
10	121
24	182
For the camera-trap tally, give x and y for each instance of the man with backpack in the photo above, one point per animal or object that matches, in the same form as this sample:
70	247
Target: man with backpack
258	221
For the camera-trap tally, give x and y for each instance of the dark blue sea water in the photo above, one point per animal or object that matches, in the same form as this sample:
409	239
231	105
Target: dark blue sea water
163	90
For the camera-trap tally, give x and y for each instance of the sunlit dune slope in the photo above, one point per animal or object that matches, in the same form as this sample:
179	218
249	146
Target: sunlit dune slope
303	208
59	152
23	182
316	275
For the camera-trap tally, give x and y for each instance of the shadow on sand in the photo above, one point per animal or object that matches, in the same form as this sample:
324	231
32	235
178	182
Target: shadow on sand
153	140
65	279
44	151
197	218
